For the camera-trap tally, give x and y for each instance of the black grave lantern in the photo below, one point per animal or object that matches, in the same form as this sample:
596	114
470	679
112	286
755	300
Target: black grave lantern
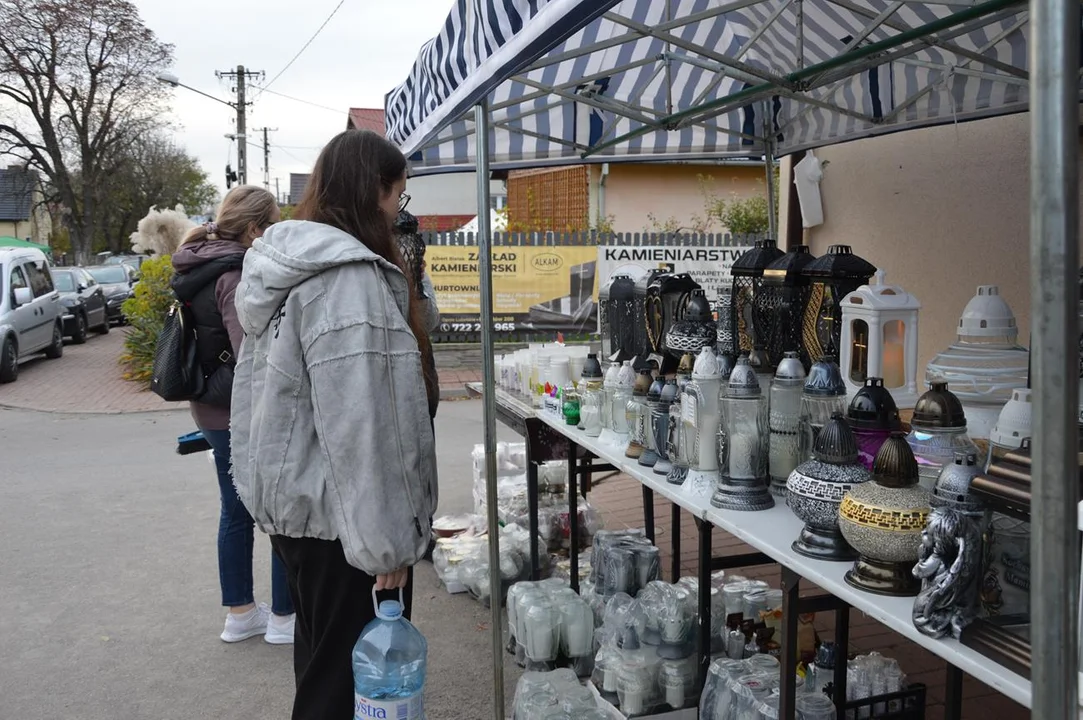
617	300
780	304
641	342
748	330
696	328
832	277
667	298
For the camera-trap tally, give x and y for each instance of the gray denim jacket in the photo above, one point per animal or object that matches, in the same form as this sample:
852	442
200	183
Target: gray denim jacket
330	423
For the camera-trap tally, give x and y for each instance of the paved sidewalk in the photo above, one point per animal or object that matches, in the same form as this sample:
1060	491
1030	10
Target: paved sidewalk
88	379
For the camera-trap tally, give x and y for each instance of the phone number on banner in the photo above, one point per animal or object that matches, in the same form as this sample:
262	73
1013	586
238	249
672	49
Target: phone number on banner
466	325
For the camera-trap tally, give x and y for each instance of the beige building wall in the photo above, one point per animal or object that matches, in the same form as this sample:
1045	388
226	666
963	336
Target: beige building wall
642	197
941	211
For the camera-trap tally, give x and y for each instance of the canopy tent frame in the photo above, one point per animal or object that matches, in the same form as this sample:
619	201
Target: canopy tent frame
1052	79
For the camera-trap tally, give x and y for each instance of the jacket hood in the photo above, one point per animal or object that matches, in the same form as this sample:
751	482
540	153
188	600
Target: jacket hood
198	264
288	254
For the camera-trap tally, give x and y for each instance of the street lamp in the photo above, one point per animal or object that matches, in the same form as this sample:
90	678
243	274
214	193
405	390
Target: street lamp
173	81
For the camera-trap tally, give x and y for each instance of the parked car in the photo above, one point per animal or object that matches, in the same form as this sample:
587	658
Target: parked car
30	310
83	302
116	282
132	261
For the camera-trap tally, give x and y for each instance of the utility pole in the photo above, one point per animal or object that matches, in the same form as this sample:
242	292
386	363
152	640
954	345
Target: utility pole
241	76
266	157
278	195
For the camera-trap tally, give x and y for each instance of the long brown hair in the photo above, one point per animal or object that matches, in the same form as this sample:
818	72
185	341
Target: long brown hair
242	207
351	175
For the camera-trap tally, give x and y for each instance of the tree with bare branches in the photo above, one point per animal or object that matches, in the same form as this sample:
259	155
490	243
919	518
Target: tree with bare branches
77	90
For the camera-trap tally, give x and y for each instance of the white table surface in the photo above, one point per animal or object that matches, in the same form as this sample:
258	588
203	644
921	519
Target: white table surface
773	531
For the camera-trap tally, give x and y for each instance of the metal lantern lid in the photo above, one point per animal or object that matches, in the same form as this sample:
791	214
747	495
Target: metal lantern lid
592	369
825	378
754	261
611	374
688	361
952	488
790	371
698	308
669	392
840	263
760	360
836	443
988	315
655	391
939	408
895	465
707	366
873	408
743	382
789	269
726	363
620	287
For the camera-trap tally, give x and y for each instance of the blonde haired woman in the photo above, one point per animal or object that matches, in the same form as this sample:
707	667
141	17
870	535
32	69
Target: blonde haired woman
208	268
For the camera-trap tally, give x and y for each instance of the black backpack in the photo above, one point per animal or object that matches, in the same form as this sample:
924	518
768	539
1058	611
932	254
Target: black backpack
178	375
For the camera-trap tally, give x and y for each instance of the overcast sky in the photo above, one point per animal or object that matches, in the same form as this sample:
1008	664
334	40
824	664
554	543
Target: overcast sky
366	50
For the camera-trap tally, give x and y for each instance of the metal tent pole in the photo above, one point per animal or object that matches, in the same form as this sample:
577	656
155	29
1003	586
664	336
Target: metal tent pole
488	397
1054	267
769	162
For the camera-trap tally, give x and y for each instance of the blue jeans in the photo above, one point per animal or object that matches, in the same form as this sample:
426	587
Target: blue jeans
235	540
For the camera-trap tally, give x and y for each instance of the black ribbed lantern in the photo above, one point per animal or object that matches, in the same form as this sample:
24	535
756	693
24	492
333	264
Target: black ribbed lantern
641	342
751	329
780	304
832	277
667	298
617	318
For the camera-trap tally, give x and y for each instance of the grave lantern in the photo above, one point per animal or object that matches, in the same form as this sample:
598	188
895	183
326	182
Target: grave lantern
832	277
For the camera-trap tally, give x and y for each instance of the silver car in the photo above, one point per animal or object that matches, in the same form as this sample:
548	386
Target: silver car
30	311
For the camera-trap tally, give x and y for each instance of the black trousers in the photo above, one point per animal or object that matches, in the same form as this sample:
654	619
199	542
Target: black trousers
333	601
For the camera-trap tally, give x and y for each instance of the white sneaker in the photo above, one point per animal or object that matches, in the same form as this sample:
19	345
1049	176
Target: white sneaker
280	629
246	625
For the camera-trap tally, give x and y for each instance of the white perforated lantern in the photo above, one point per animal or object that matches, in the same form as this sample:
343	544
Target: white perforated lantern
880	339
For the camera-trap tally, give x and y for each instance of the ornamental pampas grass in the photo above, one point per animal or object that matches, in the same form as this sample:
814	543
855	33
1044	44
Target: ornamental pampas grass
161	231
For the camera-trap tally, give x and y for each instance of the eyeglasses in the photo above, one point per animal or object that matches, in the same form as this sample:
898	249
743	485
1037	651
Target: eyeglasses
404	200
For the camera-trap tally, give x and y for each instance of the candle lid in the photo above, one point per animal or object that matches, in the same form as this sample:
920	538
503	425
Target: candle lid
669	391
841	263
873	408
952	487
698	308
754	261
939	408
787	269
655	391
988	315
706	366
592	369
895	465
825	378
836	443
790	371
743	381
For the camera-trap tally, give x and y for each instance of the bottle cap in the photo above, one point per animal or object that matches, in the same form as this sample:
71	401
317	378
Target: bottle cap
389	610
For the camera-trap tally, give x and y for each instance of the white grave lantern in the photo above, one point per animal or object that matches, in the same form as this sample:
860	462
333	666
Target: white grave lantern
880	339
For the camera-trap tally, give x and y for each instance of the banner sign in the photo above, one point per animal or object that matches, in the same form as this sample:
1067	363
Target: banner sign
709	266
549	288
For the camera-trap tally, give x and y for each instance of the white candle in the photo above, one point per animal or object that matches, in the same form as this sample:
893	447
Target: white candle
894	359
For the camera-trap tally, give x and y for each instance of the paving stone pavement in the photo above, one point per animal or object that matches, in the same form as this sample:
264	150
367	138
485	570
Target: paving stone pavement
89	379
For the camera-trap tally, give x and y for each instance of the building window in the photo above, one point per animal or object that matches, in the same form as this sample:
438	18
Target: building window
498	202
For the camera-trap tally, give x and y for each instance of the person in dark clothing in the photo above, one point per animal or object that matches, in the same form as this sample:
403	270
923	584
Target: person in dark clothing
207	269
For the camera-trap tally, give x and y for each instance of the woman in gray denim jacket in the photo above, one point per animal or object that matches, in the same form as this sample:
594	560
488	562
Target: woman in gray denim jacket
333	449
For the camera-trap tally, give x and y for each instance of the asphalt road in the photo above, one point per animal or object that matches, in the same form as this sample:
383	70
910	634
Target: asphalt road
109	600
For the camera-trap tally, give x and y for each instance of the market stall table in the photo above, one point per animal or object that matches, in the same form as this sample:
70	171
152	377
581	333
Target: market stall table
772	532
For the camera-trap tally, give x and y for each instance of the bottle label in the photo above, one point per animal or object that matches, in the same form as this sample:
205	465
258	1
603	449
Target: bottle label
406	708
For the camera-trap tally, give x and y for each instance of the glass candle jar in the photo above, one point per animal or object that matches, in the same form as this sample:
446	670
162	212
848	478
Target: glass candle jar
784	454
577	628
660	422
743	442
636	415
873	416
823	395
654	396
622	395
937	432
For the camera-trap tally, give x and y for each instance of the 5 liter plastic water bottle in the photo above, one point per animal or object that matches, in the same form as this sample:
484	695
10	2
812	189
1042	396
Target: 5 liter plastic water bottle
389	666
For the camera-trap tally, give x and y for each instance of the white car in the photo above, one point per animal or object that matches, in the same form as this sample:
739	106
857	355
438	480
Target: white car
31	316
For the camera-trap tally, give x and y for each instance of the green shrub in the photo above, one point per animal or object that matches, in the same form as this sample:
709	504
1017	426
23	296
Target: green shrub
145	314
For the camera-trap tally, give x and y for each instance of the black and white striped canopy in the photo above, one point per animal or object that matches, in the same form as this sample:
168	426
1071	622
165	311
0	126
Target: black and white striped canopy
573	81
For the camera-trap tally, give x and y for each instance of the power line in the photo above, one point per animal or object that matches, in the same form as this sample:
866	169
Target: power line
279	147
305	46
337	111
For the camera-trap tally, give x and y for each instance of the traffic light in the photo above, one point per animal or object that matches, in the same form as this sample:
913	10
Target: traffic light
231	177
